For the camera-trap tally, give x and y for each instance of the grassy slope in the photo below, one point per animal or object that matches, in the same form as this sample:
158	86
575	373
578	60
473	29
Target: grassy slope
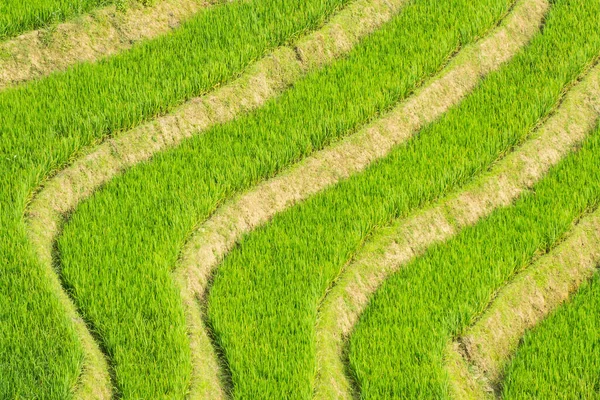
17	16
560	358
264	300
44	123
438	295
422	306
140	220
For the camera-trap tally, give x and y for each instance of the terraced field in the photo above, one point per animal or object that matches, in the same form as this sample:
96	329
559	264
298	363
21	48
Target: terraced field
284	199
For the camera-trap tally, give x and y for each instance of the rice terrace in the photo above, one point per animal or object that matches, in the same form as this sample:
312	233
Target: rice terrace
300	199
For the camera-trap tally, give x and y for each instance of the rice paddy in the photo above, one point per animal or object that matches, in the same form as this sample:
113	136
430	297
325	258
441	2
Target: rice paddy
288	199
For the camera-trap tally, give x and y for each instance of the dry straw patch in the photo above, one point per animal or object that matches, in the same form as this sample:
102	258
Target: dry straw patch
218	235
531	297
488	344
263	81
90	38
535	293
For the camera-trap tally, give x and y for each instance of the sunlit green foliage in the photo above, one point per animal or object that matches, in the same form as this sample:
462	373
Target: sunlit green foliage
118	248
263	304
18	16
43	124
117	251
561	357
434	298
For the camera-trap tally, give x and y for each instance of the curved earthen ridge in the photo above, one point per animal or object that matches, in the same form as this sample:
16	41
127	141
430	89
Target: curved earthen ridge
263	81
214	238
408	238
88	38
482	352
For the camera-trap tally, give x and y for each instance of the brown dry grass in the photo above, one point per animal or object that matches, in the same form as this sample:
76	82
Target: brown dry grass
217	236
519	306
89	38
264	80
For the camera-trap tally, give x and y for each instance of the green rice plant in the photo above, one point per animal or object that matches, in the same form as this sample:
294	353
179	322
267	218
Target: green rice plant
399	344
264	300
140	220
17	16
560	358
45	123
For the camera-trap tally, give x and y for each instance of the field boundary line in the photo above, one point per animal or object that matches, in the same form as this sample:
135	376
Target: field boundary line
90	37
215	237
264	80
349	295
474	371
396	245
524	302
94	381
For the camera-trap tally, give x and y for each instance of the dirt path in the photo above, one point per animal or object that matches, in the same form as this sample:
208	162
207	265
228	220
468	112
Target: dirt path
526	301
474	362
263	81
89	38
397	245
218	235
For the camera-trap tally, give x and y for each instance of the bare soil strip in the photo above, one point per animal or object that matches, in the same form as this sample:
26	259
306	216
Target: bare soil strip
89	38
528	299
217	236
409	238
263	81
475	361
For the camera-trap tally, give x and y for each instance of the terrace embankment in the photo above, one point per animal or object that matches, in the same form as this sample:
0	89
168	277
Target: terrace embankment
395	246
218	235
523	303
90	38
264	80
558	358
49	122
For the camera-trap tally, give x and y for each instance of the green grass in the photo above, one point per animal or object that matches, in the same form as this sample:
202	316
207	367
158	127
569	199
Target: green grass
560	358
437	296
140	221
18	16
263	303
44	124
